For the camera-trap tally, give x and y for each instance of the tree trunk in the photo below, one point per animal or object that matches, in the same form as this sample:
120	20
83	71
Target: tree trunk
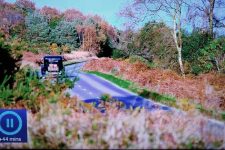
180	61
83	40
212	4
178	40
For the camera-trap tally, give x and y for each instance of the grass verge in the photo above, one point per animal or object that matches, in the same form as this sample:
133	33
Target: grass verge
162	98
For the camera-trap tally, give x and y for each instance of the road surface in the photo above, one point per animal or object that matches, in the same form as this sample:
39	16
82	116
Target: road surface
90	88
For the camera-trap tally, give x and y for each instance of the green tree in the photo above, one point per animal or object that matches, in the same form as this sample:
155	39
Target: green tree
37	27
202	54
65	33
154	42
193	42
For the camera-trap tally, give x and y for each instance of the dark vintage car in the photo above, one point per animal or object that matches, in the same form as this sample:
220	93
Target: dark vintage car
52	65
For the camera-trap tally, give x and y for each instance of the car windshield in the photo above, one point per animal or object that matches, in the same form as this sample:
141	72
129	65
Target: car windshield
53	60
53	63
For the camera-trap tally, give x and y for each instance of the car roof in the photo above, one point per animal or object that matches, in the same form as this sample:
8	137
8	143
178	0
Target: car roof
53	56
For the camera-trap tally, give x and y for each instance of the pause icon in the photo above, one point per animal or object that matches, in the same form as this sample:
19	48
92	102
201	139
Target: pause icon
9	123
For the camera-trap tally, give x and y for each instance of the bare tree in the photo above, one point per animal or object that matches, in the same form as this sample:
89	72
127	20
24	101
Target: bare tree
140	10
206	12
211	9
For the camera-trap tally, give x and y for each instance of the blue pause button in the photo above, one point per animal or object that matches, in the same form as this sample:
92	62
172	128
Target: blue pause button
9	123
13	125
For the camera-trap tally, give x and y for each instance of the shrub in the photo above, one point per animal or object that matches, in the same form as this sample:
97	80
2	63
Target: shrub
202	54
37	27
210	58
117	53
105	97
65	33
165	99
66	48
7	62
30	91
154	42
135	58
6	93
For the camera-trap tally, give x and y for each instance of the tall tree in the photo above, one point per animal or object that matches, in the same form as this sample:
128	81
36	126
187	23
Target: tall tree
72	14
65	33
205	14
50	13
141	10
211	9
9	17
37	27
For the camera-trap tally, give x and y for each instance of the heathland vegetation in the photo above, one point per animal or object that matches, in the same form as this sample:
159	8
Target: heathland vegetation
182	67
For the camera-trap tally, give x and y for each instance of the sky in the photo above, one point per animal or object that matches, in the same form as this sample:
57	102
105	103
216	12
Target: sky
107	9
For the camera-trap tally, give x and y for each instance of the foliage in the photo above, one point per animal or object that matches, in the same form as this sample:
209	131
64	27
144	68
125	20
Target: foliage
117	53
161	85
158	46
50	13
136	58
60	34
6	56
70	29
203	54
164	99
191	46
38	48
213	56
29	90
10	19
67	48
24	89
105	98
54	22
37	27
96	36
65	33
153	42
72	14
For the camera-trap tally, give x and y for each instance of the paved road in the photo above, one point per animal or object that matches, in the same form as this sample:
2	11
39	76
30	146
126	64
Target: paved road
90	88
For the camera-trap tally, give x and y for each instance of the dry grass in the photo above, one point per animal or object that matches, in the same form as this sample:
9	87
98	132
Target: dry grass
78	55
167	81
72	124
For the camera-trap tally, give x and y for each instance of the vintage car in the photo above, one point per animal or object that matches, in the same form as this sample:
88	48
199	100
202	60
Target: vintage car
52	66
